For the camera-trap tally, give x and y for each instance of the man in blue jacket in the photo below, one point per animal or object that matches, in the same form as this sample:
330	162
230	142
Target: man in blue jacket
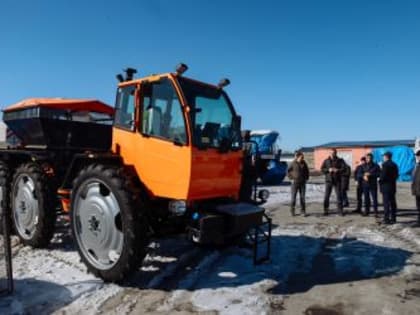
371	172
388	181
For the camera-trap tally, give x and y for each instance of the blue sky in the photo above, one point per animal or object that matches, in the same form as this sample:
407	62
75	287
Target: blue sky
317	71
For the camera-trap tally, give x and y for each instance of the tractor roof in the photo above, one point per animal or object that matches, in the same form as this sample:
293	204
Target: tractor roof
63	103
157	77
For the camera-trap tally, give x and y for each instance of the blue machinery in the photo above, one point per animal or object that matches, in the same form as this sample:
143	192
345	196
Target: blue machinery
269	168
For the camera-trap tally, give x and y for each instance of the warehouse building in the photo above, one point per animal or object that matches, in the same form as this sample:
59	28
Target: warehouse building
352	151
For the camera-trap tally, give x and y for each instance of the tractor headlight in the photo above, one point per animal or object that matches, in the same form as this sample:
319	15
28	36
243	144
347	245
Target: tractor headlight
177	207
263	194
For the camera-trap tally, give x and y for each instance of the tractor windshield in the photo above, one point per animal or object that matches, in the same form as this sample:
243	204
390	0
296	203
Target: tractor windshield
212	115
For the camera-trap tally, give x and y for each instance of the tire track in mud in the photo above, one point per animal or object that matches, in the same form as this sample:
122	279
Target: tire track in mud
160	284
169	278
64	257
167	291
57	267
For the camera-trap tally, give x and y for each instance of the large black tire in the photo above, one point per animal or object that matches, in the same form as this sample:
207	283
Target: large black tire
4	198
33	205
107	222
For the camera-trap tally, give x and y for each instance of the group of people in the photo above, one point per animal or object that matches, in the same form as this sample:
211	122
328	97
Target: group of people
368	175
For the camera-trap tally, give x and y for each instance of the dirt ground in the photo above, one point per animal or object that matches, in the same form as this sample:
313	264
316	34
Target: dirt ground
319	265
384	287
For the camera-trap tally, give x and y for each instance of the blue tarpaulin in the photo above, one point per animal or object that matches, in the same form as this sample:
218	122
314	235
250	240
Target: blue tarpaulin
403	156
275	174
274	171
265	141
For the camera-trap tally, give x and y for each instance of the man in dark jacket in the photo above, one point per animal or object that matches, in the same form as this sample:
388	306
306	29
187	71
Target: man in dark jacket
388	181
298	172
333	167
345	183
371	172
415	186
358	178
249	172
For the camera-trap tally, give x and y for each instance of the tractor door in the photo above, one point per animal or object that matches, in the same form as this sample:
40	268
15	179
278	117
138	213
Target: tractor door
159	148
166	165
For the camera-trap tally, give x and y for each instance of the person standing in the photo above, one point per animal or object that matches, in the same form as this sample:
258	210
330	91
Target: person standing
358	178
388	182
249	172
415	186
371	172
332	168
298	172
345	184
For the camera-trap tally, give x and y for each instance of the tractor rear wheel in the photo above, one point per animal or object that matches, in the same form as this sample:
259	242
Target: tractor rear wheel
33	205
106	221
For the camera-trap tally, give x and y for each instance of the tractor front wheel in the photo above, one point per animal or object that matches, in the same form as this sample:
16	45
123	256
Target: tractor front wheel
106	221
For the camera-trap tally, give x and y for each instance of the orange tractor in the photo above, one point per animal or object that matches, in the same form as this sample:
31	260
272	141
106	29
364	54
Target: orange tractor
167	158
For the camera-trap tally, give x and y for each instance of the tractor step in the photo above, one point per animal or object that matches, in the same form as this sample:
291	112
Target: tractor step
233	220
259	236
224	222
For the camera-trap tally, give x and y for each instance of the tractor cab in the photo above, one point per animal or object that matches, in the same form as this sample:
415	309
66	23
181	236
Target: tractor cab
182	135
183	138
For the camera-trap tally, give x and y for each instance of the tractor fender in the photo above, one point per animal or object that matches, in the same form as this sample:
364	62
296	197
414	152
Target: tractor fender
82	160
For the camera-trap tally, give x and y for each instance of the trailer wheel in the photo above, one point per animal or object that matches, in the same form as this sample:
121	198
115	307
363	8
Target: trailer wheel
106	221
33	205
5	191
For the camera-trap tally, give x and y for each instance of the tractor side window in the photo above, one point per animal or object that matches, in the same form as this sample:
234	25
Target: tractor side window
125	107
162	112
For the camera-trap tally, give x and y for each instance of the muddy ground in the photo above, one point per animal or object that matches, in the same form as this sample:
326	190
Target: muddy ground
319	265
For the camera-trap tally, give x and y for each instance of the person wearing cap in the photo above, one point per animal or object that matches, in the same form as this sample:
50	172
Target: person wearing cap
333	168
358	178
388	183
415	186
371	172
298	172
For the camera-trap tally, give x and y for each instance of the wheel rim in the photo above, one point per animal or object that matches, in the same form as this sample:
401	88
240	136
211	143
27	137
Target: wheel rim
25	207
97	224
